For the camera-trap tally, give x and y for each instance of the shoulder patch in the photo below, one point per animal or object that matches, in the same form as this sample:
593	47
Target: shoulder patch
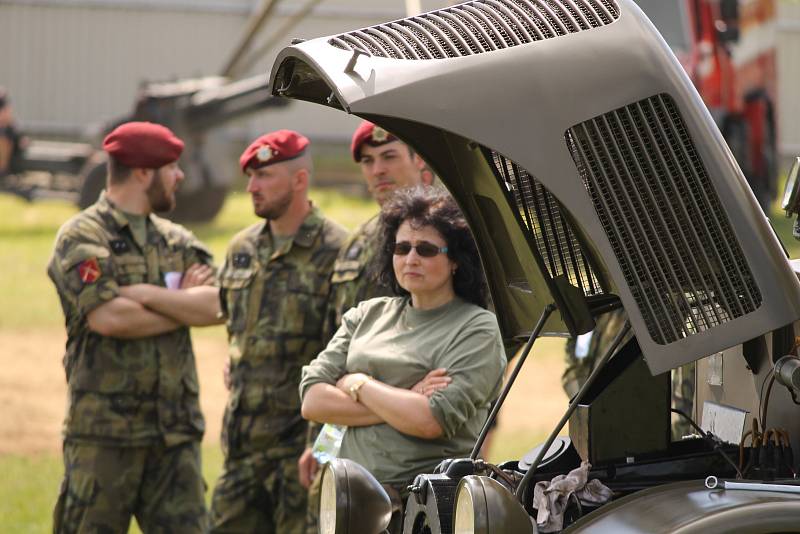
353	251
119	246
89	270
241	260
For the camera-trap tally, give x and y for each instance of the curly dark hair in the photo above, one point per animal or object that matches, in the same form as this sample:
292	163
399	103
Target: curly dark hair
430	206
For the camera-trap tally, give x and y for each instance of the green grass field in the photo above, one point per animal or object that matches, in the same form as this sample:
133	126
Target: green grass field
30	483
30	304
26	239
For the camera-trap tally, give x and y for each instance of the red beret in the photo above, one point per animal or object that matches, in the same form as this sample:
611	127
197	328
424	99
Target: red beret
370	134
143	145
273	148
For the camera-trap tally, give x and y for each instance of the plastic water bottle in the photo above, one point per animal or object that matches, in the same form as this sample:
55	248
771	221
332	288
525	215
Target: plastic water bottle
329	441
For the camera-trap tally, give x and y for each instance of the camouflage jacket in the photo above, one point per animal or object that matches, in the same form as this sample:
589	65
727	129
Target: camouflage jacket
352	280
274	301
126	392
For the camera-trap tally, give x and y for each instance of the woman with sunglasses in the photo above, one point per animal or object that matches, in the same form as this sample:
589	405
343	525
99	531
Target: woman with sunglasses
412	376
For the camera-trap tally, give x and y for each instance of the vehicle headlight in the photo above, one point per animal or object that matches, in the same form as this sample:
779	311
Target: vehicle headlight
351	500
484	506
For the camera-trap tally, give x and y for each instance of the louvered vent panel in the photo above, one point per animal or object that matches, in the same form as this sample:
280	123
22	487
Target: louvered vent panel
478	26
675	244
545	224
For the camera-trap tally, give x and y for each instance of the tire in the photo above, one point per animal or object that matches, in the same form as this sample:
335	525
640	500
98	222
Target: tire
199	206
204	201
758	164
765	164
737	134
93	184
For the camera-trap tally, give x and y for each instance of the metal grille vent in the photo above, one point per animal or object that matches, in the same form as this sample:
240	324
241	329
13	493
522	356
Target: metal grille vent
478	26
543	220
663	218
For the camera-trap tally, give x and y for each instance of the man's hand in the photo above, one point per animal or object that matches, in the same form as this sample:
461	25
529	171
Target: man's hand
432	382
307	467
197	275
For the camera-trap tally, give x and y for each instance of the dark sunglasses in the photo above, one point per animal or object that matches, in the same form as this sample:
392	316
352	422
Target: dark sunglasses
423	248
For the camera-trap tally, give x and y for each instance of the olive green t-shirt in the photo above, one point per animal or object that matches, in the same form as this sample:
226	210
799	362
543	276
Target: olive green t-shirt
138	225
397	344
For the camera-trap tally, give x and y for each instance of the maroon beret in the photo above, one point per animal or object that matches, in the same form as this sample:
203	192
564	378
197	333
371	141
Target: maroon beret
143	145
273	148
372	135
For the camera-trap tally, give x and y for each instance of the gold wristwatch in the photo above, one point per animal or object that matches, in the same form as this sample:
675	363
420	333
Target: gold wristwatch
355	387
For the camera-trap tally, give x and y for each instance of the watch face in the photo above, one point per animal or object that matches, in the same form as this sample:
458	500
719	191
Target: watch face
790	192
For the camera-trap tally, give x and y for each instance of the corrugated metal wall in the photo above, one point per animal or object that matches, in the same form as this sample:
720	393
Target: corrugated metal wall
70	66
789	77
73	63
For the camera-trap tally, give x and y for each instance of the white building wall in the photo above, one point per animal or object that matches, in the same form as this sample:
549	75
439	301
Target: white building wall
70	64
789	77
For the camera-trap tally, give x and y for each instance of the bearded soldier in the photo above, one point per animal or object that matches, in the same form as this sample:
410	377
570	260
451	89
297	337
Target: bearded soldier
130	284
273	289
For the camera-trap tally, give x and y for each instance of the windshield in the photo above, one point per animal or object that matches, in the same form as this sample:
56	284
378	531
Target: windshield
669	16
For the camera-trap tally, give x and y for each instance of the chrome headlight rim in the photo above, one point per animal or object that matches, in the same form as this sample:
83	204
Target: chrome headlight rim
360	504
483	505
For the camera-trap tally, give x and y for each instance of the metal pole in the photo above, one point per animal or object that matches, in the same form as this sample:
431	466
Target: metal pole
550	308
521	493
280	34
254	24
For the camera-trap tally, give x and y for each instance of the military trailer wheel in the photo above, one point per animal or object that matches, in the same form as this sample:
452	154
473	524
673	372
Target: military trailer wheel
93	184
199	206
764	159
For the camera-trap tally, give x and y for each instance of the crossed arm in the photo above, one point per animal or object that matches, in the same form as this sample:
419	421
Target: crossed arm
125	318
6	149
406	410
143	310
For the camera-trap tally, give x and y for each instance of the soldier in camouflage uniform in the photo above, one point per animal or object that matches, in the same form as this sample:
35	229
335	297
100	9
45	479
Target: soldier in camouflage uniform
582	354
387	164
273	288
133	425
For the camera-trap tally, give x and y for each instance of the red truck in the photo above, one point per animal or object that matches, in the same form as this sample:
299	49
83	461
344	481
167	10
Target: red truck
728	49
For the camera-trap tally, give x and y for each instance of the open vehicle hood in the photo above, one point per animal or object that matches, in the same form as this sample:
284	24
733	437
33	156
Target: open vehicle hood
583	158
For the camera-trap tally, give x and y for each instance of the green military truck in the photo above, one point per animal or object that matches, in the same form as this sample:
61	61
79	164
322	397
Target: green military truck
594	178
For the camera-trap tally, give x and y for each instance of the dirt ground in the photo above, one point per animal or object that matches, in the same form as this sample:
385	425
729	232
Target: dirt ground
33	390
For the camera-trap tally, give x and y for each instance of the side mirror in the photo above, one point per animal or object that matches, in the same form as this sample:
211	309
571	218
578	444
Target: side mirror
791	196
791	192
727	25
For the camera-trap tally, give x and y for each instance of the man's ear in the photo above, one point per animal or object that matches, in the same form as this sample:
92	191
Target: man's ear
419	163
427	174
301	179
143	177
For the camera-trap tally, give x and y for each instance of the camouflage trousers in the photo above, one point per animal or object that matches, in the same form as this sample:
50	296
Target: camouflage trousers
257	494
105	486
